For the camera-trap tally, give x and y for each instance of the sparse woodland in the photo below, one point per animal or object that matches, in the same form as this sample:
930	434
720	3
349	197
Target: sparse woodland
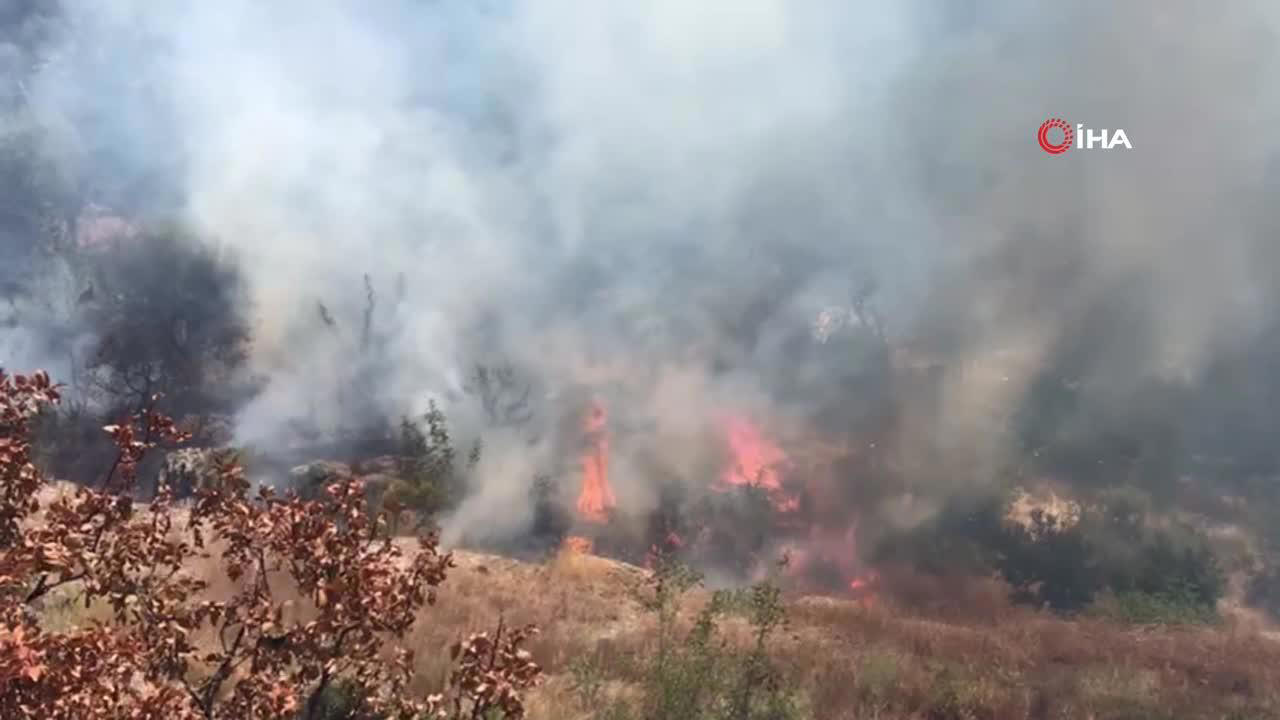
240	604
126	597
835	549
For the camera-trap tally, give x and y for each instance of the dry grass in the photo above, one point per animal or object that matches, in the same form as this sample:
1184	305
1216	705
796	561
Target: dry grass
988	660
577	600
1028	666
975	661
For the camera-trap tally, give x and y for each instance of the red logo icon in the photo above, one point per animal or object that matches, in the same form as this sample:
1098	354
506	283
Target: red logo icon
1068	136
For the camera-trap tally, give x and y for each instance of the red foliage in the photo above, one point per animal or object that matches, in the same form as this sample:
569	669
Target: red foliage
490	673
324	595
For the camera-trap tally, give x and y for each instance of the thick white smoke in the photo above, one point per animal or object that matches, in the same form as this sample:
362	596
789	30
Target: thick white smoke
605	192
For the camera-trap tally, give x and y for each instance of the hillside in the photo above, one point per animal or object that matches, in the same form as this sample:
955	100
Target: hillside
851	660
925	648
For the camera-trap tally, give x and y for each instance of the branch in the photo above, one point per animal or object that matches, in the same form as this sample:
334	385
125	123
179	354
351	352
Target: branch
43	587
219	676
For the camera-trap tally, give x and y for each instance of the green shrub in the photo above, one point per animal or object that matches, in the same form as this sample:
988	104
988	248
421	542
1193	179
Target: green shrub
1156	574
957	694
959	539
428	477
1264	591
1142	608
551	520
1048	564
878	675
1063	566
695	673
1186	572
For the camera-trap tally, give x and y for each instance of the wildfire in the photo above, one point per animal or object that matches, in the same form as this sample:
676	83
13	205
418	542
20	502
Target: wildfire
754	460
864	588
816	562
826	560
596	499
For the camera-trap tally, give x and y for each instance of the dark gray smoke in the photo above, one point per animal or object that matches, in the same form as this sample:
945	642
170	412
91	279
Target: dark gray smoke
658	202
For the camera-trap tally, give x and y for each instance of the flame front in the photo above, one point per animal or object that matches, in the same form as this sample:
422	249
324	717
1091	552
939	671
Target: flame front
829	553
596	499
754	460
864	587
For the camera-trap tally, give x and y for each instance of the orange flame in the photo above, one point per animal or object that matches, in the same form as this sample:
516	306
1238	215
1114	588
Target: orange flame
596	499
754	460
864	588
578	544
826	550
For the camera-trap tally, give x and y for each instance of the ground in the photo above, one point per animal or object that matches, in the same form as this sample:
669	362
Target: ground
964	652
851	660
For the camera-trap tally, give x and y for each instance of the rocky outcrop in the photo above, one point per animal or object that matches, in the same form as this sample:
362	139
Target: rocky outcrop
190	469
310	479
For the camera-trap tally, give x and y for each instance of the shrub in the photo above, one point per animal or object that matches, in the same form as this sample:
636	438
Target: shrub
1154	573
551	520
1048	563
1063	566
1182	573
696	673
737	525
958	693
1264	591
428	477
1142	608
321	598
960	539
877	676
490	672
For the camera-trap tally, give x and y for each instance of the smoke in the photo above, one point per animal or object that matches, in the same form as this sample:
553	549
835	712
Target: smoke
657	201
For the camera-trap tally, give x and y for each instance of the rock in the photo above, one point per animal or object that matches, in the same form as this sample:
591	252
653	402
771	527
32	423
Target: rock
377	484
190	469
381	465
311	478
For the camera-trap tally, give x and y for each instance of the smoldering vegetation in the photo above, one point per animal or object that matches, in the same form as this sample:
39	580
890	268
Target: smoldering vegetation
301	224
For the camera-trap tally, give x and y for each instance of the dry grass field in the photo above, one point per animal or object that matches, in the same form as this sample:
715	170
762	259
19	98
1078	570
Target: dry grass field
986	660
927	648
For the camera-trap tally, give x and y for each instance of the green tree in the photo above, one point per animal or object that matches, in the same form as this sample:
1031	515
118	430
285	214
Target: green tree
429	478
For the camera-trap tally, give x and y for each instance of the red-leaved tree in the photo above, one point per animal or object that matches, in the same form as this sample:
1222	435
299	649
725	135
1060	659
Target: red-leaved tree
322	597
